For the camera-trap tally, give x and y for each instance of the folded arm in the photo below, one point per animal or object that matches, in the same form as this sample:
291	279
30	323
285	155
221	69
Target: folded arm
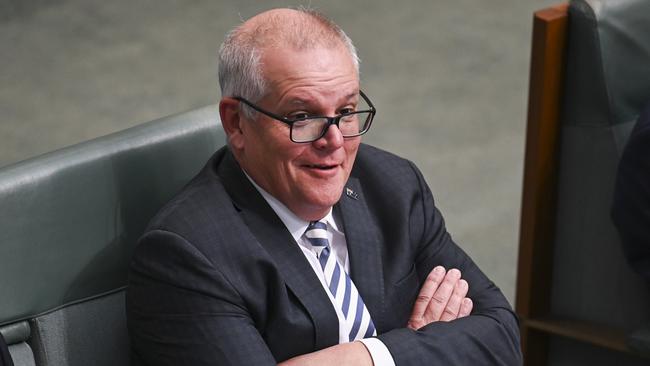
488	336
441	298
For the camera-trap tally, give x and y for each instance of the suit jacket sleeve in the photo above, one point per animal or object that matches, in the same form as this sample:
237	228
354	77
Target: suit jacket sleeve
489	336
5	357
631	204
183	311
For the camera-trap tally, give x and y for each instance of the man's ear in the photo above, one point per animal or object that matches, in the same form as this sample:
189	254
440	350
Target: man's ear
231	119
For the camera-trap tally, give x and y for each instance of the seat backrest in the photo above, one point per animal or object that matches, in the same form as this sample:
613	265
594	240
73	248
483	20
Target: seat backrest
68	222
607	84
576	294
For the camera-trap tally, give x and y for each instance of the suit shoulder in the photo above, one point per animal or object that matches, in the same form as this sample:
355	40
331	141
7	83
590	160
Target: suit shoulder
203	202
375	163
372	153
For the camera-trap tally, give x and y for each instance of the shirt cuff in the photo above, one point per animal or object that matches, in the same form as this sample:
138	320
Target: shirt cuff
378	352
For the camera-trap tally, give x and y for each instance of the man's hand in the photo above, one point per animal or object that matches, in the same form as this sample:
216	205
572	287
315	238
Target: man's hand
441	298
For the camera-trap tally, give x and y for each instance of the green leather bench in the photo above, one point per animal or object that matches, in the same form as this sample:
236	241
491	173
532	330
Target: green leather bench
68	222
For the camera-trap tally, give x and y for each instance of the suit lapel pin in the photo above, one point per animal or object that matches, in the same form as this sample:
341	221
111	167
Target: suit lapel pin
352	194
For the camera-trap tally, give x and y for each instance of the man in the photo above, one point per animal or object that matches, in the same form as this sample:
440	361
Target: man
296	243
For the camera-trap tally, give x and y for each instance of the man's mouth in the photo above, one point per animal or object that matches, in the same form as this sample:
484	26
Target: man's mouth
321	166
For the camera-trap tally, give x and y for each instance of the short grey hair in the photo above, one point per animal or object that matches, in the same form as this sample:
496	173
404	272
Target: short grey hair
240	68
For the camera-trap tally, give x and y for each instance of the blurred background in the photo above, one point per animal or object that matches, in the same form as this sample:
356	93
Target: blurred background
449	80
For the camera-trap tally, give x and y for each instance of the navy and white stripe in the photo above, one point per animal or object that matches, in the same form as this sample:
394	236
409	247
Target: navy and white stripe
341	287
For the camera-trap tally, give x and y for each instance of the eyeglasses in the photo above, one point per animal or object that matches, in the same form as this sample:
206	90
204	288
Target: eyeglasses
309	129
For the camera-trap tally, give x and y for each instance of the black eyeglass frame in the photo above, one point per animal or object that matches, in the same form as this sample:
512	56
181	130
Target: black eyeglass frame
330	120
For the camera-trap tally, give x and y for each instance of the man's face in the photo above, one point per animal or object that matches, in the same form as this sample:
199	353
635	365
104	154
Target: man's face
307	177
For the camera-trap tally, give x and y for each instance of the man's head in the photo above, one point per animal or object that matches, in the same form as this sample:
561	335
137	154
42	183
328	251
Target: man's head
292	63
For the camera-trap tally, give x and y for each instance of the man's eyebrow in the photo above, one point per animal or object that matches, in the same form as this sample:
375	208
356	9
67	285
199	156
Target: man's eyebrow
351	95
307	101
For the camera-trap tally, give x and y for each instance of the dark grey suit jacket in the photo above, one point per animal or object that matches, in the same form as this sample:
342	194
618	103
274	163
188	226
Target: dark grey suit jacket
218	280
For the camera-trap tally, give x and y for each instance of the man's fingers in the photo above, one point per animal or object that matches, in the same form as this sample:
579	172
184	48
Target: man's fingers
441	297
429	287
453	305
466	307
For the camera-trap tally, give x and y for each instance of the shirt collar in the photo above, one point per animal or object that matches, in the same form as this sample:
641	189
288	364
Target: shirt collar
294	224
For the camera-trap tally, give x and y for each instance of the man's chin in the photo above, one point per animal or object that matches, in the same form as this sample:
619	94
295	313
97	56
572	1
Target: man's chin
318	206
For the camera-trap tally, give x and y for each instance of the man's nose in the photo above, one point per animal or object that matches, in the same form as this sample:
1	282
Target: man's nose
332	139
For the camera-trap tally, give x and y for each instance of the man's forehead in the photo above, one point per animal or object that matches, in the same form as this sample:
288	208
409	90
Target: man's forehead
306	76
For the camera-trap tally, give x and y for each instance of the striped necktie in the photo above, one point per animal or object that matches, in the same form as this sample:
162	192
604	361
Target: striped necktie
340	285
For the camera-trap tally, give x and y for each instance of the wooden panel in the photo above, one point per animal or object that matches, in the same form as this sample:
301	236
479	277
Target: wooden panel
535	346
540	177
599	335
540	166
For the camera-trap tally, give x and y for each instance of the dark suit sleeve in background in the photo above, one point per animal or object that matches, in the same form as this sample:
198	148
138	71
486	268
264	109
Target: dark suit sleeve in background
631	206
5	357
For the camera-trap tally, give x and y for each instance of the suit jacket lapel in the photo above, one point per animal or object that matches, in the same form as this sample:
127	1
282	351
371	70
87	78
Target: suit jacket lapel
364	249
271	233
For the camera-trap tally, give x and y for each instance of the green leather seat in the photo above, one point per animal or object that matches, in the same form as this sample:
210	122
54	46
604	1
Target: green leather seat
607	84
68	222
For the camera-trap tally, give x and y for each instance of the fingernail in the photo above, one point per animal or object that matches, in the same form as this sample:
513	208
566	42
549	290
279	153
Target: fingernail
439	269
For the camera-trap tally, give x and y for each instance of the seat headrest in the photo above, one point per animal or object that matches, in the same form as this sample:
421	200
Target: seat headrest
607	76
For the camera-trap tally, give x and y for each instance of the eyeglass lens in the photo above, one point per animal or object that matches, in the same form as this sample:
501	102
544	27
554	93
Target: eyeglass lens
313	128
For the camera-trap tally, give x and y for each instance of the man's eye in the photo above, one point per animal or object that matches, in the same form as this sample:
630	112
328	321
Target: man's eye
298	116
346	110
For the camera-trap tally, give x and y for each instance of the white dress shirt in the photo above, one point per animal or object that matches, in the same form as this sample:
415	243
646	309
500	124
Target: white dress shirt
297	227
